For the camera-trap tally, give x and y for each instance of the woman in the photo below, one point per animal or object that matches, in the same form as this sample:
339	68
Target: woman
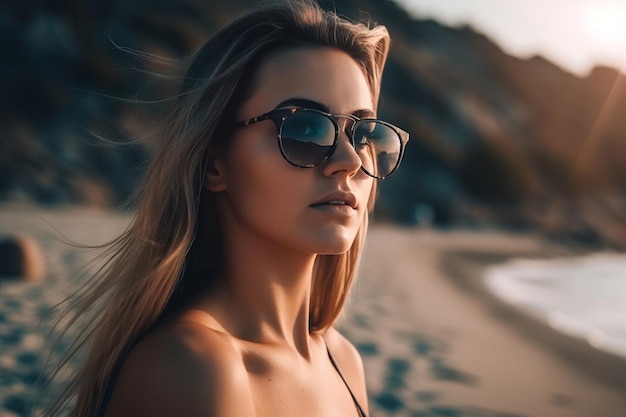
219	299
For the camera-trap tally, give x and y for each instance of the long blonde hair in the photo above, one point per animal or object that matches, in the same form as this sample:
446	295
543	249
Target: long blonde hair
151	267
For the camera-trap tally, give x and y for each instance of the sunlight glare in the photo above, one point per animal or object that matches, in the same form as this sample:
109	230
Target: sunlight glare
604	21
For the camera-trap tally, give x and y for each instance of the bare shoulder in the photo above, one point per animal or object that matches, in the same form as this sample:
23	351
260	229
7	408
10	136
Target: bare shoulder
344	351
349	361
182	369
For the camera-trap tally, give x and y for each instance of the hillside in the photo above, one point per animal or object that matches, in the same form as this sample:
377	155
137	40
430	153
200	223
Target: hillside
495	139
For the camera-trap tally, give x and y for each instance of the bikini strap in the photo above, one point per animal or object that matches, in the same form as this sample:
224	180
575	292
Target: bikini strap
336	366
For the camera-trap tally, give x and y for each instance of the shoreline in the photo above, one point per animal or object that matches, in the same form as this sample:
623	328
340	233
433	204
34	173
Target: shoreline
435	343
467	269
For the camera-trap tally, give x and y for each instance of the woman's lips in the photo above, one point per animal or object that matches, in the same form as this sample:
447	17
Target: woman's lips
338	198
336	207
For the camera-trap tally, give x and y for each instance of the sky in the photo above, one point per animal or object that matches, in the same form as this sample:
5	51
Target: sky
574	34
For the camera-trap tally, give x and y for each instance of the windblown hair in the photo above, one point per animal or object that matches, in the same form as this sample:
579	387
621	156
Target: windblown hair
155	265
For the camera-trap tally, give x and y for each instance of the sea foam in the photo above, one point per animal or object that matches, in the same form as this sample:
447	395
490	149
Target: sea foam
582	296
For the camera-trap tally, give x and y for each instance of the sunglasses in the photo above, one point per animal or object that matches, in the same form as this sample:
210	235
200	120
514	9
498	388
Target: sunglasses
308	137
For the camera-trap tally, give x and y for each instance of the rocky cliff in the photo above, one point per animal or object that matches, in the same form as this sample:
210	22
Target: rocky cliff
495	139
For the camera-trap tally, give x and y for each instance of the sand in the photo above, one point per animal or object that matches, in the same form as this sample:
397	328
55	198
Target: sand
434	341
25	305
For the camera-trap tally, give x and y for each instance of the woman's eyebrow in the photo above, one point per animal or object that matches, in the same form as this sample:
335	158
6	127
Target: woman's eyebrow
314	105
364	114
303	102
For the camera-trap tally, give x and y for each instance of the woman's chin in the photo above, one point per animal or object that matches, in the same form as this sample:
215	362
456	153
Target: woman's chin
335	245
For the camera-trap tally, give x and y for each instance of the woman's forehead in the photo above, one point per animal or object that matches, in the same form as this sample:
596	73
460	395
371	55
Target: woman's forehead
321	75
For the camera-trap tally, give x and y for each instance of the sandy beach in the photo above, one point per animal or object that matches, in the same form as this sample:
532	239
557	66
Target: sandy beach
434	341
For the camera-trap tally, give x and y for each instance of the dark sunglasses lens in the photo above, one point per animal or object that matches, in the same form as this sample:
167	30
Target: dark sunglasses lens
378	145
307	138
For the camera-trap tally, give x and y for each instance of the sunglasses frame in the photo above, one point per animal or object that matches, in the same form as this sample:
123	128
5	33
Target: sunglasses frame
279	115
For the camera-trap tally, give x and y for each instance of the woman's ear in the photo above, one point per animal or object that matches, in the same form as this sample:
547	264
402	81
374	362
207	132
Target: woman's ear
215	175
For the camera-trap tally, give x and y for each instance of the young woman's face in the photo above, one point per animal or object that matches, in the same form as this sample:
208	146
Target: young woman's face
315	210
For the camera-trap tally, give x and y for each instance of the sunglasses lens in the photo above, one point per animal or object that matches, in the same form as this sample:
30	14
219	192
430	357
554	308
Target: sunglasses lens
379	147
307	138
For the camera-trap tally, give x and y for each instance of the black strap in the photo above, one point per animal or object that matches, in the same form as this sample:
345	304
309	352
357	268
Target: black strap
334	362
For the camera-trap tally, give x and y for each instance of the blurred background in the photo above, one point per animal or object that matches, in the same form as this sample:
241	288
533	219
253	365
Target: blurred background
520	127
518	140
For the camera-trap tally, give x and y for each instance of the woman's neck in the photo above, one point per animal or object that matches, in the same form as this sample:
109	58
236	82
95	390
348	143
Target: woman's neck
265	295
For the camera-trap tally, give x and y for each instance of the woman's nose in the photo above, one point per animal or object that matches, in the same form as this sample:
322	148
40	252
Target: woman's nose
344	158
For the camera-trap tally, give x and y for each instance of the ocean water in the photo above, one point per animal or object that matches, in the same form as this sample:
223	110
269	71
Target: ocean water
582	296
